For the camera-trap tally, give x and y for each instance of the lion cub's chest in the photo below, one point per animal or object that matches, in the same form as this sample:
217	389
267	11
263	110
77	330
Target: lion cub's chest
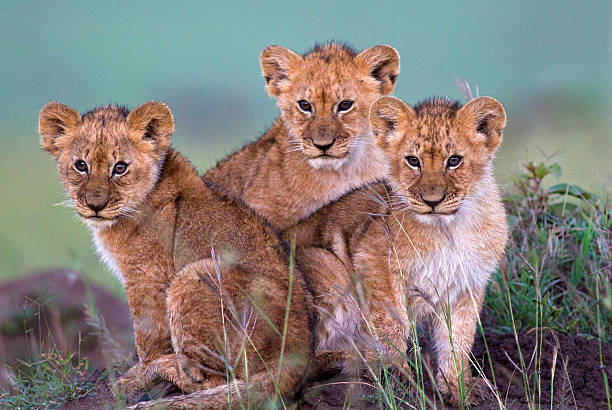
446	269
107	257
130	248
424	265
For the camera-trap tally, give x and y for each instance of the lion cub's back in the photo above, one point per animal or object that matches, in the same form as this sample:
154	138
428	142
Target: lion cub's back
344	220
237	171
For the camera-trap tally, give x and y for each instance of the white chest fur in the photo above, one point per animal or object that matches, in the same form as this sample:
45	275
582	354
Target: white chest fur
106	256
451	268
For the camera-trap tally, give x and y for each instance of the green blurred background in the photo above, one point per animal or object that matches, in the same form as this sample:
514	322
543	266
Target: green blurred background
549	62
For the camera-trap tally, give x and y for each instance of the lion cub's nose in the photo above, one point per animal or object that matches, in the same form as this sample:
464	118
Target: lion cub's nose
433	201
96	201
324	147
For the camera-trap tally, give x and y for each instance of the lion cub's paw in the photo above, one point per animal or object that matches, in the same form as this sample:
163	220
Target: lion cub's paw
178	370
478	392
133	380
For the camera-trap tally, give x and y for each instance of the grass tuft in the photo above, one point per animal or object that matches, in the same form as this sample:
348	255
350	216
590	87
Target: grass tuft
558	259
49	382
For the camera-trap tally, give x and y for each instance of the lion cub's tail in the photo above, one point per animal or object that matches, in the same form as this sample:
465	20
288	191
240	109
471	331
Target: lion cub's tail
260	387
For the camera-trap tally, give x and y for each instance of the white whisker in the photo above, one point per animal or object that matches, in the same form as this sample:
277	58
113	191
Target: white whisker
67	203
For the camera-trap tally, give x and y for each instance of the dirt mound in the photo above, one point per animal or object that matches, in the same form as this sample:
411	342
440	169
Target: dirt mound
49	308
577	382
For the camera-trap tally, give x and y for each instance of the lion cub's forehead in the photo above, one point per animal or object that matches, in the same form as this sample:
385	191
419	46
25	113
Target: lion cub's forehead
103	133
327	71
435	127
108	118
331	53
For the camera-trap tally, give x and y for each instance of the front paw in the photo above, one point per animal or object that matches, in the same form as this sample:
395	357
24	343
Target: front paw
130	384
133	380
480	391
473	392
179	370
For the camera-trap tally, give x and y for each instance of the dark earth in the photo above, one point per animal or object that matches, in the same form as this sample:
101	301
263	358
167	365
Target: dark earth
53	306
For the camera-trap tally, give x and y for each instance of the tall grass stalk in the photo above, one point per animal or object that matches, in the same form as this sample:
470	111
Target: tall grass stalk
601	363
288	307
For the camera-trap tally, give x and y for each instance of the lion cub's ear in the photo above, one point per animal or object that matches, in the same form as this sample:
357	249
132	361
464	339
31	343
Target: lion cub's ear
153	124
484	118
382	63
56	125
276	64
386	114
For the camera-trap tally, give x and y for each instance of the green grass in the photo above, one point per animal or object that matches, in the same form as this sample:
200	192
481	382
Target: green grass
47	382
558	259
40	374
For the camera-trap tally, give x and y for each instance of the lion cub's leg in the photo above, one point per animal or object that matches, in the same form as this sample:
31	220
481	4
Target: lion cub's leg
348	321
391	330
336	304
218	331
194	313
454	376
146	296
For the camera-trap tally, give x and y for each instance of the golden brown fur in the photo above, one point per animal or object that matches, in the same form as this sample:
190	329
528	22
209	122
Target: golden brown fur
310	158
389	254
207	280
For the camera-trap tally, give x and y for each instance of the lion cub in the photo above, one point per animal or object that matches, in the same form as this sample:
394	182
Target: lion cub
321	146
207	280
421	245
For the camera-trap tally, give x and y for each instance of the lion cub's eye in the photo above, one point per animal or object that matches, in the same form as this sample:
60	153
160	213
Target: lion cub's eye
305	106
120	168
454	161
413	162
80	166
345	105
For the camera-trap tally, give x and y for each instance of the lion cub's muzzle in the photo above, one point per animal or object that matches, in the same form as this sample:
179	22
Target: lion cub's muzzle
323	138
433	201
96	200
436	200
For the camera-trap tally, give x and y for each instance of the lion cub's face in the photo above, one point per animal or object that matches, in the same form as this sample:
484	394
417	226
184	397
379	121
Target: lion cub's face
108	159
324	97
437	151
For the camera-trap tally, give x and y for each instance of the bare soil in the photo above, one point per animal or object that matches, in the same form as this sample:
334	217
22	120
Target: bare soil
578	377
47	309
